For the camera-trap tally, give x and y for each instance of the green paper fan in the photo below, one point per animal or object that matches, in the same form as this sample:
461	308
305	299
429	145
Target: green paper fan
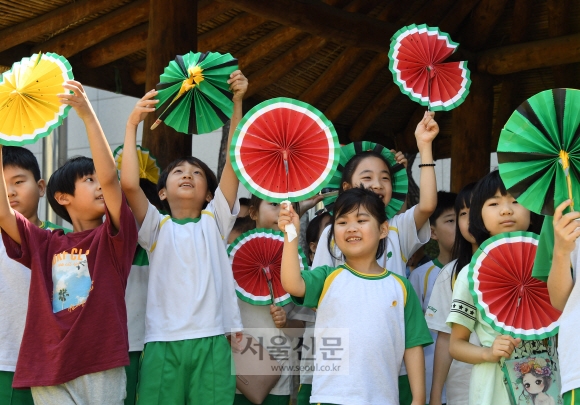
256	258
399	179
194	96
539	151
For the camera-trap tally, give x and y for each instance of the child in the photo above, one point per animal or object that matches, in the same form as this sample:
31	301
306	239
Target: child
423	277
493	211
407	231
191	301
24	187
564	295
313	231
456	373
75	340
365	298
267	319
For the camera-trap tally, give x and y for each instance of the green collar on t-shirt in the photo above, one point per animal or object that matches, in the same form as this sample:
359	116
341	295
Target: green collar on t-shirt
366	275
184	221
437	263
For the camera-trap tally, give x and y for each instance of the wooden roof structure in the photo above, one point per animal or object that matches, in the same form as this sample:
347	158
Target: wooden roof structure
330	53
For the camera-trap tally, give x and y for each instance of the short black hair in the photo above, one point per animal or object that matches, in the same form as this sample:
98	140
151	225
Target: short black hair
351	200
244	201
212	183
21	157
353	163
445	201
484	190
63	181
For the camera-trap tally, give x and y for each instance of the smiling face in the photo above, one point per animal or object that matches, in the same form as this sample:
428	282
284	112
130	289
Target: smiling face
373	173
185	183
502	213
357	233
533	384
23	190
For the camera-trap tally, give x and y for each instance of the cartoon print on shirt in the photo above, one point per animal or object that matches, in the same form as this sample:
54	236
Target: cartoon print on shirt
71	280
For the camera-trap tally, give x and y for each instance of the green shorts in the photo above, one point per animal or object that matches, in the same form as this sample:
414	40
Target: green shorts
405	394
194	371
304	393
572	397
11	396
132	371
270	400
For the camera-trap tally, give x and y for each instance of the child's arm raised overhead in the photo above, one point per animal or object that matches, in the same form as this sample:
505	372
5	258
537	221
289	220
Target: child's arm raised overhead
229	181
102	157
426	131
7	216
130	164
292	281
566	231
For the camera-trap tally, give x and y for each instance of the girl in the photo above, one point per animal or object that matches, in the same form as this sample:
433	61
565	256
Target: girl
493	211
456	373
365	298
262	321
407	231
191	301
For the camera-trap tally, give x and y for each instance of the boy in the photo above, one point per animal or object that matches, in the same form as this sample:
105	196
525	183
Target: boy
24	187
423	277
565	295
75	340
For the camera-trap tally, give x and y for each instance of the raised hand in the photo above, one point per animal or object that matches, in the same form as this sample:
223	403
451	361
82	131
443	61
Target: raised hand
427	129
143	107
238	85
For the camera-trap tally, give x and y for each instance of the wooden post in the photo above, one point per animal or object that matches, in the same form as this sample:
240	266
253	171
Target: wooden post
471	132
172	32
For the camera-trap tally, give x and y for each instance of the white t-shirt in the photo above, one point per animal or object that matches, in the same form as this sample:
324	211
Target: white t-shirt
383	317
438	309
258	316
487	379
136	299
191	291
569	327
402	241
14	287
422	279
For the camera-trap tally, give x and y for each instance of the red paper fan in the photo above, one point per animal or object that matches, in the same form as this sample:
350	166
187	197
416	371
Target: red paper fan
417	54
504	291
256	257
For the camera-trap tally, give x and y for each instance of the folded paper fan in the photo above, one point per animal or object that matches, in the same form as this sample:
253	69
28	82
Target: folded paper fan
29	106
399	179
194	95
148	167
417	58
539	151
256	257
284	149
508	298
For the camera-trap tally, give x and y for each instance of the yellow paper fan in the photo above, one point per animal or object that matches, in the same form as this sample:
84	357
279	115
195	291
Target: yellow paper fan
29	107
148	167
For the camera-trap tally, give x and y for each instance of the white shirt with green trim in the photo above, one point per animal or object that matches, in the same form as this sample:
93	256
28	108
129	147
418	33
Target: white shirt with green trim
384	318
14	287
402	241
191	291
487	379
438	309
136	299
569	327
422	279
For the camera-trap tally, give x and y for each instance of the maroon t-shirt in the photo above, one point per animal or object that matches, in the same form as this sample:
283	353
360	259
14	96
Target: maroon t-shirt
77	320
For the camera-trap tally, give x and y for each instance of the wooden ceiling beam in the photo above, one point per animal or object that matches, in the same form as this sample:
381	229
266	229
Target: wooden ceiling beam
481	24
257	50
457	14
530	55
119	46
226	33
510	84
52	21
320	19
72	42
379	103
209	9
560	23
